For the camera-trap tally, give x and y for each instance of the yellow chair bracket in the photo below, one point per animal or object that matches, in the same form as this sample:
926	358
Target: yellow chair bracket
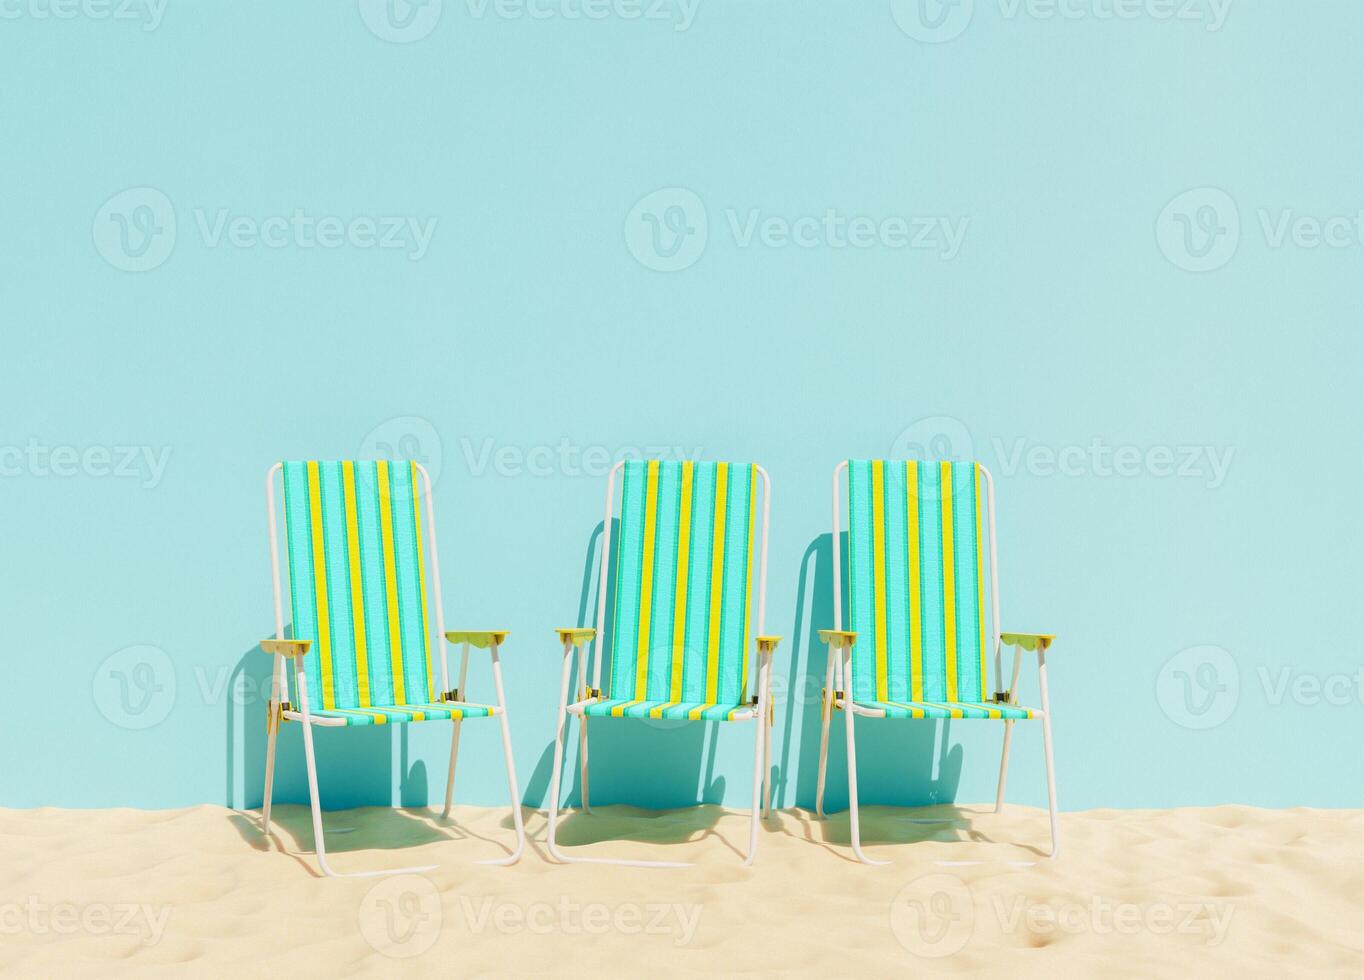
576	635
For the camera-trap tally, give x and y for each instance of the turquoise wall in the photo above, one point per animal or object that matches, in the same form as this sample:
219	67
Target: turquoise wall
1109	248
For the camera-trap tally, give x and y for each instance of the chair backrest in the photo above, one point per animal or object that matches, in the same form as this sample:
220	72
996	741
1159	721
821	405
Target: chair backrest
357	581
684	562
916	580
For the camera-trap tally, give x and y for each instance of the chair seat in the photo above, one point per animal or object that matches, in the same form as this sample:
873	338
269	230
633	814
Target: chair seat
395	714
679	710
947	709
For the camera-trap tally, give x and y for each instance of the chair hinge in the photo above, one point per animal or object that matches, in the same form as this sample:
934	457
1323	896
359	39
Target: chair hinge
452	695
1003	697
824	694
591	692
274	716
753	701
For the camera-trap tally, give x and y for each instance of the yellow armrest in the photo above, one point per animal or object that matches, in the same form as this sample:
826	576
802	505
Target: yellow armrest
1028	641
577	635
286	648
766	644
838	639
479	638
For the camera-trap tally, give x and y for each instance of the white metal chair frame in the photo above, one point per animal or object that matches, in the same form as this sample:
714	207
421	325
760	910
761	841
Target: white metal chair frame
840	665
761	712
303	714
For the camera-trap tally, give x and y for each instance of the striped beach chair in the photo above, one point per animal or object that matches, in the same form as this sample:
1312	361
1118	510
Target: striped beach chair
682	644
360	650
921	635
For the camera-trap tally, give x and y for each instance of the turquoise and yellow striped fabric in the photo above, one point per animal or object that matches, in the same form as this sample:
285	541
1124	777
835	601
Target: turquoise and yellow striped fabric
358	589
916	588
680	636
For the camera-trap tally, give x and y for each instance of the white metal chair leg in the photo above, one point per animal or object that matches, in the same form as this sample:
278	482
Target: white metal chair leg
758	754
767	764
273	723
854	831
319	841
826	712
517	820
767	719
1051	788
1046	747
582	764
1003	766
551	832
762	754
1008	727
450	776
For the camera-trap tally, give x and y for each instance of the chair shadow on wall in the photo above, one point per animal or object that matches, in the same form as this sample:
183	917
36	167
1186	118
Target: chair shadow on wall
899	763
355	769
641	765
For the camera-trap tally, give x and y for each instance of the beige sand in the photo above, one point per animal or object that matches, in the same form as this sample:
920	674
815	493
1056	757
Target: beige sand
1137	893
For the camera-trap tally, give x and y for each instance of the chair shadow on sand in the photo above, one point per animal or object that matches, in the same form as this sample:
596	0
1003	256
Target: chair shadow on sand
909	771
659	760
355	780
